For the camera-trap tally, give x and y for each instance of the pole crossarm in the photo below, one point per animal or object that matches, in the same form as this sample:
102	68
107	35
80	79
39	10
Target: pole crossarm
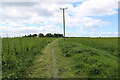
63	8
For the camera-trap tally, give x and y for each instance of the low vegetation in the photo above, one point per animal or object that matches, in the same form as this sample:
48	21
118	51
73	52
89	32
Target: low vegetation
89	58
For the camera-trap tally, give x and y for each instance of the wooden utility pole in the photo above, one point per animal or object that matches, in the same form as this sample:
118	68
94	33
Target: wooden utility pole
64	20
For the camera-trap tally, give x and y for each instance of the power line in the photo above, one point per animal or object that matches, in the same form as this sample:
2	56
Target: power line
64	19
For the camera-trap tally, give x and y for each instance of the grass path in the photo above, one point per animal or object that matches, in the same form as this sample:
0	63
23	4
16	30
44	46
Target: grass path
45	65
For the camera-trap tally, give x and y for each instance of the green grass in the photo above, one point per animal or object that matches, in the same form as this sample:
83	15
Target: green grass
73	58
18	54
89	58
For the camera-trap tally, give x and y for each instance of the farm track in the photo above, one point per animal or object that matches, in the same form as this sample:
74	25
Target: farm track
45	65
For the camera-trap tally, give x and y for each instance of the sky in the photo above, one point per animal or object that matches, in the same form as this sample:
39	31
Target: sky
84	18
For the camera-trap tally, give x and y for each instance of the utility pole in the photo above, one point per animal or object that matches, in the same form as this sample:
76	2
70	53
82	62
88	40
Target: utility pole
64	20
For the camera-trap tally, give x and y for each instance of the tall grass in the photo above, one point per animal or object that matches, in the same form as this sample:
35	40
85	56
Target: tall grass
18	54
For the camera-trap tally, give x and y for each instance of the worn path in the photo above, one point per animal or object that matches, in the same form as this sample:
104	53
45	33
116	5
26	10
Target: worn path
45	64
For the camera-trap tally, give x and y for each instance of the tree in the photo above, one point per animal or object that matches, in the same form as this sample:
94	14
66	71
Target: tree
41	35
34	35
55	35
29	35
58	35
48	35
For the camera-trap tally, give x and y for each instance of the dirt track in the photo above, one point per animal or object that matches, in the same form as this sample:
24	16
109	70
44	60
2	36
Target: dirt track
45	64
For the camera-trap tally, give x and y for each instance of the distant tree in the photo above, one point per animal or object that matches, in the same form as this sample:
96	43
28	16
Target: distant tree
34	35
58	35
49	35
40	35
29	35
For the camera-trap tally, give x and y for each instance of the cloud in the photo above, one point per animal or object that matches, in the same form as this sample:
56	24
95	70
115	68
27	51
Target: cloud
42	0
31	17
25	30
97	8
93	34
86	23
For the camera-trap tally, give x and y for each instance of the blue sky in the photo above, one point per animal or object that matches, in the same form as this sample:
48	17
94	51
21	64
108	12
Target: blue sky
86	18
112	19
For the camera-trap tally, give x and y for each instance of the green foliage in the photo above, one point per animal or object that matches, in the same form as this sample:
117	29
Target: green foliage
41	35
49	35
19	53
58	35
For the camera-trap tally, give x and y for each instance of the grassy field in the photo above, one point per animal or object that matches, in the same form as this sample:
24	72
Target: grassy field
56	58
89	57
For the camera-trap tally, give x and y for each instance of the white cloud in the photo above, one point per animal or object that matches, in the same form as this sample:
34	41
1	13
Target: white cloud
23	30
86	23
97	8
42	0
93	34
47	17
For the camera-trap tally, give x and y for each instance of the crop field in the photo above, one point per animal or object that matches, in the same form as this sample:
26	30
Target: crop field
18	54
56	58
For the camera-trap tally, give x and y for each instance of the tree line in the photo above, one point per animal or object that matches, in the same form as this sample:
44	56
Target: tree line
42	35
